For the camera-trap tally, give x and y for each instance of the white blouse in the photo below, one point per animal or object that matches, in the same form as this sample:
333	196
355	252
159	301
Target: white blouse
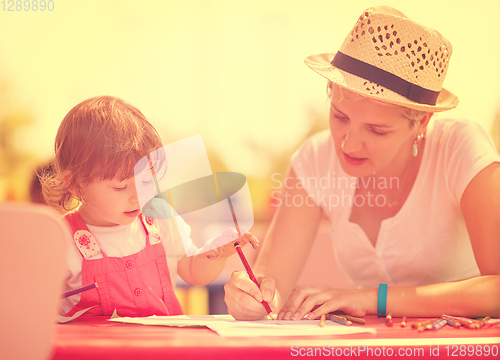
426	241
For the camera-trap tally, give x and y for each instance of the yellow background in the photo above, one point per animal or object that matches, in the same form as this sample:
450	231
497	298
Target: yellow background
231	71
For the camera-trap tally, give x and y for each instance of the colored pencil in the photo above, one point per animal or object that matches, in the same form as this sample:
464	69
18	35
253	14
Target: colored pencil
465	322
322	320
453	323
481	324
252	276
79	290
354	319
339	319
461	318
423	324
349	317
403	322
242	256
388	320
438	324
493	322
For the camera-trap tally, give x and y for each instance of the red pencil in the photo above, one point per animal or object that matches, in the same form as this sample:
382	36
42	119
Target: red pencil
244	260
252	276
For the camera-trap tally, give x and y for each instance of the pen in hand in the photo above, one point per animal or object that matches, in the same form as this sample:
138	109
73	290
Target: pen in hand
252	276
242	256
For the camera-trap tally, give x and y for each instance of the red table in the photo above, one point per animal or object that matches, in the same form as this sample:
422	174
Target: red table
96	338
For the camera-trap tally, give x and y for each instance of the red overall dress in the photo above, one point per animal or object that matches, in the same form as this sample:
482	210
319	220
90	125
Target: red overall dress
134	285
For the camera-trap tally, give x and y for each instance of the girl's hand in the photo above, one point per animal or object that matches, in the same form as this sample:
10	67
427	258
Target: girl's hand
223	246
244	298
315	301
229	249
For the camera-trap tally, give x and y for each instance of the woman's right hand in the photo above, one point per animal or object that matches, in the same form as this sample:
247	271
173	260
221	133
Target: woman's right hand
244	298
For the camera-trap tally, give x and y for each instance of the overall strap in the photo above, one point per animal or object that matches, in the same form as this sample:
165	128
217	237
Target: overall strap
151	228
83	238
170	300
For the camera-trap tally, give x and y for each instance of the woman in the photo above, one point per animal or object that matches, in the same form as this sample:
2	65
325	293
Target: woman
413	204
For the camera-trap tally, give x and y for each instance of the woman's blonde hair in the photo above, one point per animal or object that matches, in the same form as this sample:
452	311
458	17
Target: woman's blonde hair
412	114
100	138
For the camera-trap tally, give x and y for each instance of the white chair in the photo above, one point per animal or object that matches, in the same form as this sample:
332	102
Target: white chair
32	262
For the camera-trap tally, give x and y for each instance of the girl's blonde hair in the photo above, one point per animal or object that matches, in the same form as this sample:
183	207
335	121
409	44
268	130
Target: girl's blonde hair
412	114
100	138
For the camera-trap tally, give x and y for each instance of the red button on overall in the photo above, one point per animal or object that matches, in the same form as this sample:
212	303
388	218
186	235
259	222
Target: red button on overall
129	264
138	292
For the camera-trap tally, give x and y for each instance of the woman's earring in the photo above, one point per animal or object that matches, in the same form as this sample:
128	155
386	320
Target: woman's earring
415	144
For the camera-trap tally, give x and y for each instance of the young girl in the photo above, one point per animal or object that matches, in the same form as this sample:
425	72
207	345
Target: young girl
133	259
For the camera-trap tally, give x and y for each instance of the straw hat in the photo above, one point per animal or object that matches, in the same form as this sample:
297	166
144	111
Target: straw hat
390	58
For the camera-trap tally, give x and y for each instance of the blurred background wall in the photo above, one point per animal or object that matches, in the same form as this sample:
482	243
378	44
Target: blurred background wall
231	71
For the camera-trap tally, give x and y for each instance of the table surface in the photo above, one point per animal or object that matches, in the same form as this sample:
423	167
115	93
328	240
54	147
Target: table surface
97	338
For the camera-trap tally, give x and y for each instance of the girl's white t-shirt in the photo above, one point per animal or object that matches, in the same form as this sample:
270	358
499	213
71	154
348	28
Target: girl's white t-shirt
426	241
125	240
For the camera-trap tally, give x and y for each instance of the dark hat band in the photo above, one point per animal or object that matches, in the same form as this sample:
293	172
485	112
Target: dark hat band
384	78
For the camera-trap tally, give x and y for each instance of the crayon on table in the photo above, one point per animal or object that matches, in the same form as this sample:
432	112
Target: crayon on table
453	323
423	324
438	324
403	322
427	325
322	320
339	319
493	322
461	318
388	319
354	319
481	324
465	322
349	317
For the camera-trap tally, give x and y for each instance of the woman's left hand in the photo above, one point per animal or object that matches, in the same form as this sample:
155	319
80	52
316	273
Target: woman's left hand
315	301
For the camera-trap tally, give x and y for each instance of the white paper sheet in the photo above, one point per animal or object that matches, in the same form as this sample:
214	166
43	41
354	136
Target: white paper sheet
64	319
227	326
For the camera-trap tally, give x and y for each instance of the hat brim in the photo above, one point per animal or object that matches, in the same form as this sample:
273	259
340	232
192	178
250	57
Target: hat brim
321	64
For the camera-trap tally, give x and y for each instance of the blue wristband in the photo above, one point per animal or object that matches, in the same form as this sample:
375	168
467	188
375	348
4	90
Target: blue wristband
382	300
